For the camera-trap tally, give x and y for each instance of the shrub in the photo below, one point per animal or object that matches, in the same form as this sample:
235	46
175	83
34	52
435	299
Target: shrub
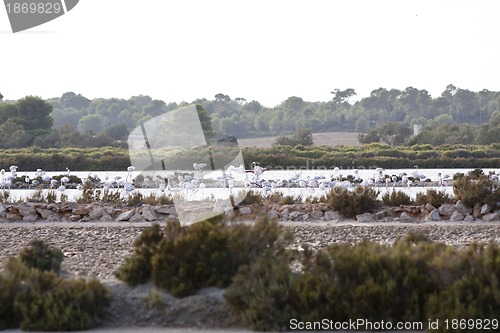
252	198
137	268
396	198
34	297
183	260
260	295
476	188
433	197
41	256
351	203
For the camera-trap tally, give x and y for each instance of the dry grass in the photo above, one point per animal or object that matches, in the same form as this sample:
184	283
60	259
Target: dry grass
320	139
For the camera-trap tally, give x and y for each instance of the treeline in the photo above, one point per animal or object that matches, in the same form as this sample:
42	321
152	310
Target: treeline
397	134
74	120
277	157
242	118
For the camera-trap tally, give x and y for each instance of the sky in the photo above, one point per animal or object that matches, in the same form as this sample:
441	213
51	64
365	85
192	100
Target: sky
264	50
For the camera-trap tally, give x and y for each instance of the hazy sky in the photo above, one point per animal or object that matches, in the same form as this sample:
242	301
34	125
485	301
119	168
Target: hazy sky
263	50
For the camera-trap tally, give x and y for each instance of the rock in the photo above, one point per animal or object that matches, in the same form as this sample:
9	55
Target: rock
28	213
148	213
469	218
429	207
44	213
293	215
105	217
53	218
13	216
462	209
165	209
447	209
366	217
476	211
382	214
81	211
491	217
331	215
2	211
125	216
273	214
317	214
456	216
137	218
433	216
96	214
74	217
485	209
245	210
284	214
405	217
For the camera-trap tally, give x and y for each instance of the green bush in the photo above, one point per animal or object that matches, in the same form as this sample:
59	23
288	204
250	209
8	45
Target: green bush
137	268
351	203
396	198
183	260
473	292
260	295
34	297
42	256
476	187
433	197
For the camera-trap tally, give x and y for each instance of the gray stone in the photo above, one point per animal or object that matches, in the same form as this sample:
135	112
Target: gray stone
405	217
13	216
44	213
382	214
331	215
366	217
433	216
429	207
447	209
456	216
137	218
491	217
317	214
273	214
476	211
2	211
96	214
469	218
245	210
284	214
462	209
485	209
53	218
28	213
125	216
294	215
165	209
148	213
81	211
105	217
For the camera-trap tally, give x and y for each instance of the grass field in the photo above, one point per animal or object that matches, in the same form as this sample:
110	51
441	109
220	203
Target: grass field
320	139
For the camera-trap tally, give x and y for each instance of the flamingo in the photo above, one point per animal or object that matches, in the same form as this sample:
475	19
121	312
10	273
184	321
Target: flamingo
27	180
129	172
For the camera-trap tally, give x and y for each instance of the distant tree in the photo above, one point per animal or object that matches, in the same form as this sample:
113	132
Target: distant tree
34	113
206	123
240	100
303	136
342	96
117	132
362	125
91	122
1	96
72	100
394	134
222	98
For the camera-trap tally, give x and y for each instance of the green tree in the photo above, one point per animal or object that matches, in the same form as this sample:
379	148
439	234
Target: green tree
1	96
34	114
362	125
206	123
